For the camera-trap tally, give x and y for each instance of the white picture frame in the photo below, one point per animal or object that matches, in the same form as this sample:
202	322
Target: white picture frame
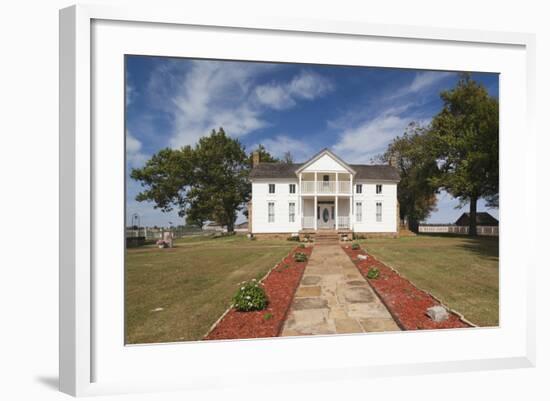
82	344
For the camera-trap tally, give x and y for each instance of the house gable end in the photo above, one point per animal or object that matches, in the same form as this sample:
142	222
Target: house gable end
325	161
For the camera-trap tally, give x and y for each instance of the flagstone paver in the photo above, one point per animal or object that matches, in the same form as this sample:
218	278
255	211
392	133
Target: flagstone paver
334	298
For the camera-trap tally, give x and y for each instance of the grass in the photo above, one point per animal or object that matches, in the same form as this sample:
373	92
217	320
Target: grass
193	283
460	271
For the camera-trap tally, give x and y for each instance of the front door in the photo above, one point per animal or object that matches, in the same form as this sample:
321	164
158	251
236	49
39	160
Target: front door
325	216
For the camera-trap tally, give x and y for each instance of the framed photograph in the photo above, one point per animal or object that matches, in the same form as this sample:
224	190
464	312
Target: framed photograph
310	194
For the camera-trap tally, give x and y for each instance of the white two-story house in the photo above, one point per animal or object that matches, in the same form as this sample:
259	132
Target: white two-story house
324	193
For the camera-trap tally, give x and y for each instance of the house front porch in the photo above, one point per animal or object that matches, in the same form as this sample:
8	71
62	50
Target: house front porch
326	213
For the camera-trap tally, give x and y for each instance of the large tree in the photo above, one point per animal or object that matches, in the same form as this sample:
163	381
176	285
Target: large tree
465	139
207	182
410	154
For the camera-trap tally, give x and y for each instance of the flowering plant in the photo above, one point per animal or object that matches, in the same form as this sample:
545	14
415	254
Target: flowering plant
250	297
300	257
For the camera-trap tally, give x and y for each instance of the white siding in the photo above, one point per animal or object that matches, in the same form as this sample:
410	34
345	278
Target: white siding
281	198
369	198
325	163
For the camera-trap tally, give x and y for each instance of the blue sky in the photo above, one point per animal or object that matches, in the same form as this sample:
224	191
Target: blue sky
303	108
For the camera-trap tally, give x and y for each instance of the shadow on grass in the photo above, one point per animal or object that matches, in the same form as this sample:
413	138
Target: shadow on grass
483	246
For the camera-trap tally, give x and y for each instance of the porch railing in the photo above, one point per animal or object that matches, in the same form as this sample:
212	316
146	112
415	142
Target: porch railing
325	187
343	223
307	222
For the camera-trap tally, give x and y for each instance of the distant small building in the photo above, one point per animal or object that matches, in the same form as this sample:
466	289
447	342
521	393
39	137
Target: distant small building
482	219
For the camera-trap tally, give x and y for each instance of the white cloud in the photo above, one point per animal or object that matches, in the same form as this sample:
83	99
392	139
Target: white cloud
205	95
370	138
280	144
306	85
274	96
134	156
422	80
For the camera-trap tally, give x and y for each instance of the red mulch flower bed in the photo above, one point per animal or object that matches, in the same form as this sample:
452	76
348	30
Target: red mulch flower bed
406	303
280	286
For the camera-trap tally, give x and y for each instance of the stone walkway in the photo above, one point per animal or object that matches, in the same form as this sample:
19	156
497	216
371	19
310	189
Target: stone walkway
334	298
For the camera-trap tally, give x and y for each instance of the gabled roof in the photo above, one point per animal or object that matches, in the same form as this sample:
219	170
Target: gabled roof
323	152
376	172
274	170
362	171
482	219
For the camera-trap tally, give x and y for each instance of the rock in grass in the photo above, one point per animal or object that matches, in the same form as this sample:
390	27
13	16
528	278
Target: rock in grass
437	313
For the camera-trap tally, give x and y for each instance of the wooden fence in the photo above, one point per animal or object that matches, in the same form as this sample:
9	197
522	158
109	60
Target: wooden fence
491	231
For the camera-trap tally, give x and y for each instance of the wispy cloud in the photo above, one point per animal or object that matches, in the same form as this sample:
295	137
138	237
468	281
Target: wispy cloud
306	85
206	95
278	145
422	81
370	138
364	138
134	155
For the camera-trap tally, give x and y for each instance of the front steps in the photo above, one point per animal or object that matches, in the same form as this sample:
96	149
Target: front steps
330	237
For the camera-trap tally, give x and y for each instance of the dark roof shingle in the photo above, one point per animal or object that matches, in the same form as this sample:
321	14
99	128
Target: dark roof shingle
286	170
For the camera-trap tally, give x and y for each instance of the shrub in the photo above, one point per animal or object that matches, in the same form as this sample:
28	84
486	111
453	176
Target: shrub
293	238
355	246
300	257
373	273
250	297
302	246
268	316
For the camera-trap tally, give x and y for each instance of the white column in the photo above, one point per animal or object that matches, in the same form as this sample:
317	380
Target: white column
300	195
315	211
315	183
350	212
337	189
336	208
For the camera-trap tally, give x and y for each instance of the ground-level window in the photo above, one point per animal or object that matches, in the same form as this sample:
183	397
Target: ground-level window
379	211
271	212
359	211
378	188
291	212
359	188
291	188
271	188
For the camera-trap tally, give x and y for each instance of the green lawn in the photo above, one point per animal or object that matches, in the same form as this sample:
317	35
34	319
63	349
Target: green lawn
193	283
461	271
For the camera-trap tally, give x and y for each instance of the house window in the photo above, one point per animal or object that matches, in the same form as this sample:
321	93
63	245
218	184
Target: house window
359	188
271	212
325	181
332	212
378	211
359	212
291	212
271	188
291	188
378	188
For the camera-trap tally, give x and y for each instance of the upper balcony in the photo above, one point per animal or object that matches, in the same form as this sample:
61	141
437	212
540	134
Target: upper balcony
326	187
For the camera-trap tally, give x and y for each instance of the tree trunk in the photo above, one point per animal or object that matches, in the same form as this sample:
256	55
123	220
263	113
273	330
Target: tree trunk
231	227
472	229
413	226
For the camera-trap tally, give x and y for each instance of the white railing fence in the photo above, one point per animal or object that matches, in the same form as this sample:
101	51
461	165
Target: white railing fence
150	234
451	229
